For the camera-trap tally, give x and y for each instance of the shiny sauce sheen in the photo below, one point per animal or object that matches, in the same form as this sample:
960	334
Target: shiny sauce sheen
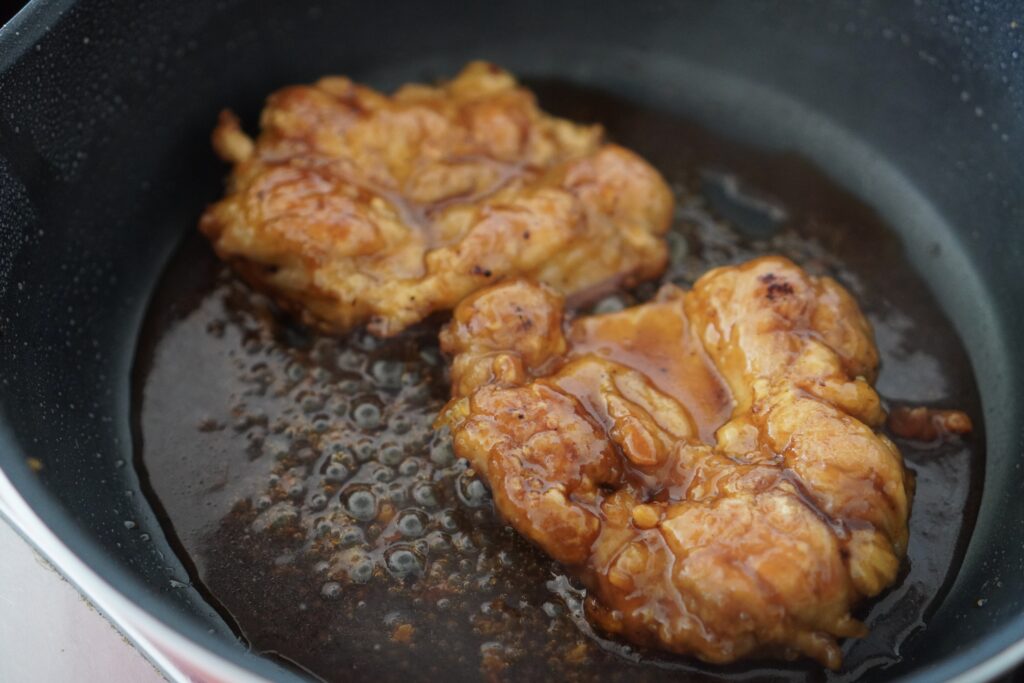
686	374
300	479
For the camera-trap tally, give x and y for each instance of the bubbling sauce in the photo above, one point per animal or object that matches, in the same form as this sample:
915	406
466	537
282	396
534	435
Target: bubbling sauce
301	479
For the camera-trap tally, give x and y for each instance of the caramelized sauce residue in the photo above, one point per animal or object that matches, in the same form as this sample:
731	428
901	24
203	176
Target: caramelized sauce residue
683	372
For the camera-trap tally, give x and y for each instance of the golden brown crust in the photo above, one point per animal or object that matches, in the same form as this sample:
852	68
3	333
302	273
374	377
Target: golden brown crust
355	207
707	463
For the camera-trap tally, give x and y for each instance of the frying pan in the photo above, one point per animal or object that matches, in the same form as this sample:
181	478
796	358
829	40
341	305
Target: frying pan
105	111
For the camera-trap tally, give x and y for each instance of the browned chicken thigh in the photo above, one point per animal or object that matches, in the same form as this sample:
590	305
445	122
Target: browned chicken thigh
352	206
707	463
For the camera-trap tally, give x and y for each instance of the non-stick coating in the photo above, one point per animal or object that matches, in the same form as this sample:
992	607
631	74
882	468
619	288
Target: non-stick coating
105	109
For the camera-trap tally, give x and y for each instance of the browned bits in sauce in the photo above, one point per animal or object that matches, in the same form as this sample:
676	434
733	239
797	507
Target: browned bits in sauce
928	424
261	499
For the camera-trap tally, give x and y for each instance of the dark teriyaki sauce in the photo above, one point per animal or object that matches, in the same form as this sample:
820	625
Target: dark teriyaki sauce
301	479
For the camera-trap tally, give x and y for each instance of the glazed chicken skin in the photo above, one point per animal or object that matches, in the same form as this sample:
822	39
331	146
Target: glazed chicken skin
707	463
354	207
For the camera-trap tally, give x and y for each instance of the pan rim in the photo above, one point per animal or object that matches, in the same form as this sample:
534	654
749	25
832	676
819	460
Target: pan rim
174	643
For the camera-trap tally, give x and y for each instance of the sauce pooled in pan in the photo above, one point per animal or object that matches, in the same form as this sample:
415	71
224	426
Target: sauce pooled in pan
282	459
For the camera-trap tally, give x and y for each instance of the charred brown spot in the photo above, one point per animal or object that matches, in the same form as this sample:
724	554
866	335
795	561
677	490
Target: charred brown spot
477	270
777	289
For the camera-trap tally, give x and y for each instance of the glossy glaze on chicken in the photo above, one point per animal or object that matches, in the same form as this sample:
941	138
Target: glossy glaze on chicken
708	462
296	431
354	207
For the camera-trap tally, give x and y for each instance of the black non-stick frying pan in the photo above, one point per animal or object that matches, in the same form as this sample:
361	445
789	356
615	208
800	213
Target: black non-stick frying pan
105	110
